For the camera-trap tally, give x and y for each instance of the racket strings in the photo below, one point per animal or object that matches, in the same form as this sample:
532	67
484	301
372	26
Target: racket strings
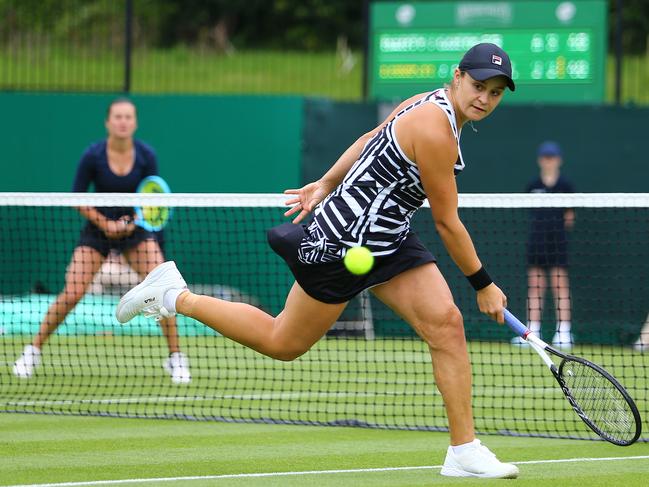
155	216
599	399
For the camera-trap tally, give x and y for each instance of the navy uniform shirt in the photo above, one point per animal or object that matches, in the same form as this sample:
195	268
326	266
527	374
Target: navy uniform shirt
549	219
94	170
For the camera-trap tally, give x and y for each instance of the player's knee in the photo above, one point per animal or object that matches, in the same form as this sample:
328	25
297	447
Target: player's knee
288	355
444	329
286	351
451	321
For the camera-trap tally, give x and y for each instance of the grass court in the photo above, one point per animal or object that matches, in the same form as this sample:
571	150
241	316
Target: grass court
387	382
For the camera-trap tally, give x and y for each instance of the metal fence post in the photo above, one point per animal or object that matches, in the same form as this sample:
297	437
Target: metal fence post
128	41
618	51
366	47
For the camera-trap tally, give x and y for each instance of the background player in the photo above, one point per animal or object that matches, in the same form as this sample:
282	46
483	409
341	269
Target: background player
117	165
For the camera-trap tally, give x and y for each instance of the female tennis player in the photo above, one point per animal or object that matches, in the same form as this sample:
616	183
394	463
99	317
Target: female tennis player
117	165
368	198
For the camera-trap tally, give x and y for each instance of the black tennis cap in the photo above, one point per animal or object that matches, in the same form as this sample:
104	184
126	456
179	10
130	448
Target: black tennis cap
486	60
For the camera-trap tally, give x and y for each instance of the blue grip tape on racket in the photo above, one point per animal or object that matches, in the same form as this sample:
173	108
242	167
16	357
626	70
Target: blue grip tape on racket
515	324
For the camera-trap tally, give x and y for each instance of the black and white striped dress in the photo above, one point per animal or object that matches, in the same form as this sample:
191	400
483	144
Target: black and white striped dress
376	200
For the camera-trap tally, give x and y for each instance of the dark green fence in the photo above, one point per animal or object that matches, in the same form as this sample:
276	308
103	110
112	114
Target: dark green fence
206	144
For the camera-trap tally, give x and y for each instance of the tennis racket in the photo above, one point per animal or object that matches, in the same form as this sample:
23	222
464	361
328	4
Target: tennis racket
595	395
153	218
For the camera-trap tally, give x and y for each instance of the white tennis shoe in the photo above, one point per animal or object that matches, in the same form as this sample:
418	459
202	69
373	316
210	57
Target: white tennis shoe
477	461
27	362
177	366
562	340
640	346
148	296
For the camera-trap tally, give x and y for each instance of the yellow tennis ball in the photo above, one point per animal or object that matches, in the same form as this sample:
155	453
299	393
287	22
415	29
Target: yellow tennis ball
359	260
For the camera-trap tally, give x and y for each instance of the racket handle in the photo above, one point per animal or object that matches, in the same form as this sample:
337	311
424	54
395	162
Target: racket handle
514	323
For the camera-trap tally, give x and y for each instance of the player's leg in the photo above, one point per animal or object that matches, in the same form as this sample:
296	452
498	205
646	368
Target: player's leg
143	258
536	286
85	262
83	266
560	285
302	322
422	298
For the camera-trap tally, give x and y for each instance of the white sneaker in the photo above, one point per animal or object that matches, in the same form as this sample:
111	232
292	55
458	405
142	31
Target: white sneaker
177	366
27	362
519	342
562	340
148	296
477	461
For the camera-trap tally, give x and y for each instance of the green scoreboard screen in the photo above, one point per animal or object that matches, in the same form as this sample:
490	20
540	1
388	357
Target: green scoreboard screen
557	48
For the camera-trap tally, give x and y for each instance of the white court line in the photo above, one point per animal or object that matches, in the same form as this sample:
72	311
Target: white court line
307	472
504	391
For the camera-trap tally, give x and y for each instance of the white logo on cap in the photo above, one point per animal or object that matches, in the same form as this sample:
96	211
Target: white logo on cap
496	60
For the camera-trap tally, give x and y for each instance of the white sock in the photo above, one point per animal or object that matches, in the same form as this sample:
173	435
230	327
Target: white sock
535	327
170	297
563	326
459	449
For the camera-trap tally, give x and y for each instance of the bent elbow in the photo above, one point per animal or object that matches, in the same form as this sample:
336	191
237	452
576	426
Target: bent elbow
443	226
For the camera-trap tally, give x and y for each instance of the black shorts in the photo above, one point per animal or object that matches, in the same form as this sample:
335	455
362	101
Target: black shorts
92	237
547	252
331	282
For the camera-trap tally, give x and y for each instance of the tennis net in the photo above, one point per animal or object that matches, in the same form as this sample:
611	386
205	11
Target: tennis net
370	370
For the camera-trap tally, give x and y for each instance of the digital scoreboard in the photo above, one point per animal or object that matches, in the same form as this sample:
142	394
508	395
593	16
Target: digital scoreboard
557	48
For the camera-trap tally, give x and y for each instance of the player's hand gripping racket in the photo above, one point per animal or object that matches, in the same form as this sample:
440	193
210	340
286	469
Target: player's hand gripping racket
153	218
595	395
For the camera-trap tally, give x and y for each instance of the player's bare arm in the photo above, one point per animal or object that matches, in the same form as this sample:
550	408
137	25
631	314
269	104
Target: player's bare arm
308	197
435	152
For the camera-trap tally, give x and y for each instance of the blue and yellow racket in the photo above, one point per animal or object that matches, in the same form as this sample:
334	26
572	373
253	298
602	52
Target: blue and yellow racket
153	218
